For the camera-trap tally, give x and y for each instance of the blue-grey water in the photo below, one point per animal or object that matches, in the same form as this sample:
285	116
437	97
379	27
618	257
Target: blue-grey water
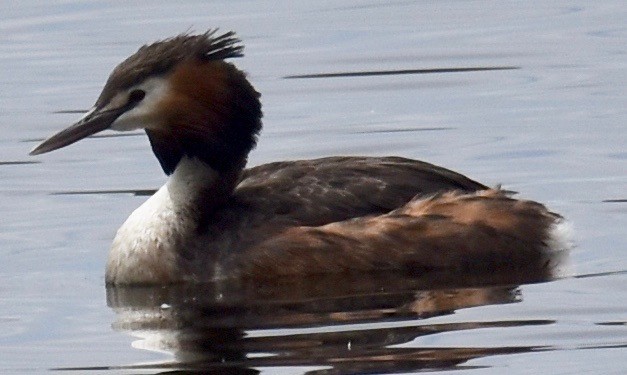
554	129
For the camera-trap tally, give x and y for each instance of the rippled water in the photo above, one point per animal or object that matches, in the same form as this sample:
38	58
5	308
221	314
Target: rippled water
552	126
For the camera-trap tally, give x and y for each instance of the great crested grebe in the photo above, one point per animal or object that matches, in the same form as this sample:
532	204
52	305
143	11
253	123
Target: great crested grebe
213	219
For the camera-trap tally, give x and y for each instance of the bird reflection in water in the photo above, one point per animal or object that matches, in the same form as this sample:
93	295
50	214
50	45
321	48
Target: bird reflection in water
328	325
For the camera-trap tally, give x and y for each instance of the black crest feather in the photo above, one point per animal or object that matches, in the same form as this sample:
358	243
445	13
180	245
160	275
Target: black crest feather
158	58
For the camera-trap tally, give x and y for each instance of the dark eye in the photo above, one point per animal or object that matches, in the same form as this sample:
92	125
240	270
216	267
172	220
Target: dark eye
136	96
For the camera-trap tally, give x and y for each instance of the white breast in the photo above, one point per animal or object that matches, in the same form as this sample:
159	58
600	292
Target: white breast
145	247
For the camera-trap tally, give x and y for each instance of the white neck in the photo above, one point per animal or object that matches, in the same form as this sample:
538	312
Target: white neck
191	179
146	247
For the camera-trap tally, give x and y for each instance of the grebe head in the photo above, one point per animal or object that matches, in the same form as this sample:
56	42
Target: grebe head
188	99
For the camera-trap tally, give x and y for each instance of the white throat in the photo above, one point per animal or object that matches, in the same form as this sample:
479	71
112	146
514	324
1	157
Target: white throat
191	178
145	248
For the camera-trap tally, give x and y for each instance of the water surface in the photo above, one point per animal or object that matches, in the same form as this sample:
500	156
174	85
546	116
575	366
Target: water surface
552	129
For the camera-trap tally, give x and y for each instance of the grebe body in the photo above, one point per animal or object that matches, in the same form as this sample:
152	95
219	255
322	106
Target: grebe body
213	219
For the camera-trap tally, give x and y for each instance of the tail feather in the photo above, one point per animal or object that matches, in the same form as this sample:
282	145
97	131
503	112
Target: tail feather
476	233
527	220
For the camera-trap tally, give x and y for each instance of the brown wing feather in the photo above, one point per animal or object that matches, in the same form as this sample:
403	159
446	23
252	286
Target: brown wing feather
477	232
320	191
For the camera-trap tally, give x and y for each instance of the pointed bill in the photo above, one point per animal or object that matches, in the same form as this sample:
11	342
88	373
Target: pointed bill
93	122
